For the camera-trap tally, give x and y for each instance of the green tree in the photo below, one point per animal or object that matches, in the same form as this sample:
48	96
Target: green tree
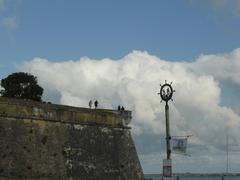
22	86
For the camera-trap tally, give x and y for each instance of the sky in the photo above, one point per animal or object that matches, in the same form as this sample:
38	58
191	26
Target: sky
120	51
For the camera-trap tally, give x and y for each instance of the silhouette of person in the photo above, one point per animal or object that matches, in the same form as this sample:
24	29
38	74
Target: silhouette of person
119	108
164	93
122	108
96	104
168	91
90	104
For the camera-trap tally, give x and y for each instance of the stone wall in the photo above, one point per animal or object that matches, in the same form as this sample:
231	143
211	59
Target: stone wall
48	141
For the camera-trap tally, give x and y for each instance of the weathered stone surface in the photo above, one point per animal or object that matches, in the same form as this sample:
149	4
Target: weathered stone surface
44	141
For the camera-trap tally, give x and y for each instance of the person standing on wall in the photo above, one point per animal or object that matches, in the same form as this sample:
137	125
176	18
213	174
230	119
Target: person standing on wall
96	104
90	104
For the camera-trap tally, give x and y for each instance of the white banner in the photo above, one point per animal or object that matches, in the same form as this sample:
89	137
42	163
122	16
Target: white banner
179	145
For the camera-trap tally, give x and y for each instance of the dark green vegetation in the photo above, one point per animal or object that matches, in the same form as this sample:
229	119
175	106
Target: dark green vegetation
22	86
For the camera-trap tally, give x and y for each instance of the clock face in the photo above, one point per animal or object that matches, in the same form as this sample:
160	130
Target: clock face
166	92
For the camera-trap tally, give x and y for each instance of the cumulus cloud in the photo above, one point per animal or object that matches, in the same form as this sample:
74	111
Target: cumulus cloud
133	81
224	67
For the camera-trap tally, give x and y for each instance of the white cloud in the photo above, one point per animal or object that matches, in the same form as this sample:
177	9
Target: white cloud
218	3
133	81
2	5
8	18
221	7
224	67
9	22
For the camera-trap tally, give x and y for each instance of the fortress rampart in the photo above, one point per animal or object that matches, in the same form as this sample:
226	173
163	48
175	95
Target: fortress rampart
47	141
66	114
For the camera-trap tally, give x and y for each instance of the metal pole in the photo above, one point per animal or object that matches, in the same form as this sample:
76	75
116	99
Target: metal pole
166	93
222	177
227	153
168	137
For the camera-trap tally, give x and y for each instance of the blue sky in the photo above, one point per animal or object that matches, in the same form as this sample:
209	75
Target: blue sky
193	43
60	30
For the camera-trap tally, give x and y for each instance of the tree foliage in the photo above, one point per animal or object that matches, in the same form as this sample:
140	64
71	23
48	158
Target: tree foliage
21	85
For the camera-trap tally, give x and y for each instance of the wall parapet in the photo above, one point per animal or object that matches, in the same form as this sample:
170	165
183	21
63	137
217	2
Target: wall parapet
26	109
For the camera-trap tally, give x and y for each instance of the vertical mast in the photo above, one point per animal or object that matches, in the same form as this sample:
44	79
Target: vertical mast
227	153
